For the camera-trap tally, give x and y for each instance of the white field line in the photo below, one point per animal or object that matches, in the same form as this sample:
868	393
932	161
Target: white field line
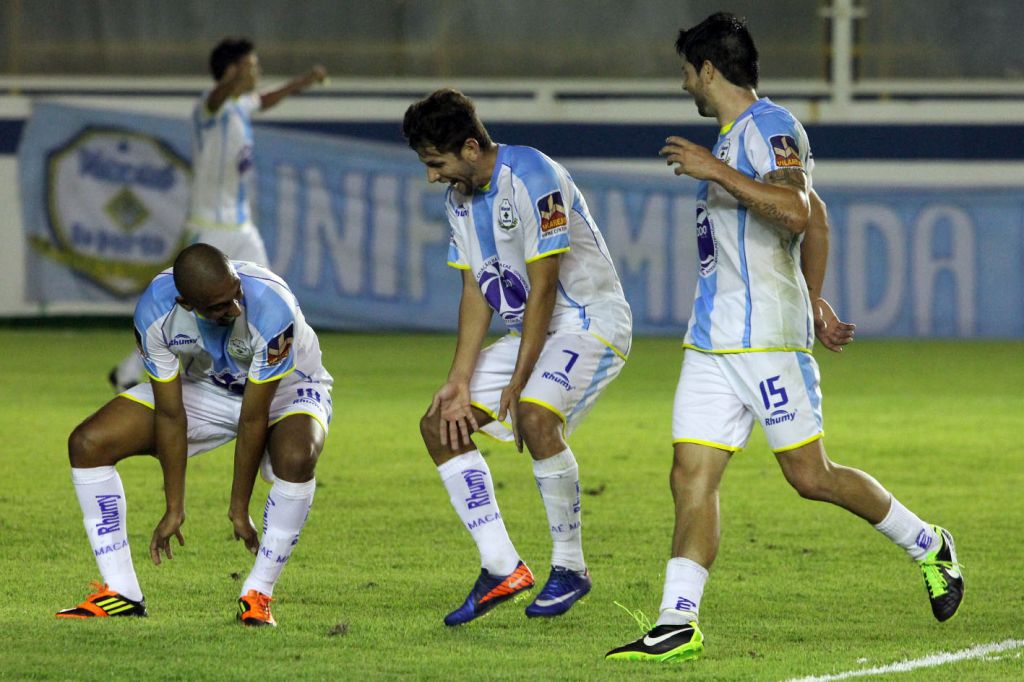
925	662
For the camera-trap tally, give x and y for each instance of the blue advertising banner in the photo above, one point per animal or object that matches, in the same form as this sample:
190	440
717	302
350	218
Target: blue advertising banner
361	236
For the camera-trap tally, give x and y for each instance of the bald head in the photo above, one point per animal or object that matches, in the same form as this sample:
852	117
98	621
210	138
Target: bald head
207	283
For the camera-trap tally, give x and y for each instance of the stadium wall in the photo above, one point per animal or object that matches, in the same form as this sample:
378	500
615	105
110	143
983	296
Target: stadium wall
948	158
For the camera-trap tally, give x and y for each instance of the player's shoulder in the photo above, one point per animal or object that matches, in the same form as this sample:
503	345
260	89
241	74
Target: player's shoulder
524	161
268	298
770	118
157	300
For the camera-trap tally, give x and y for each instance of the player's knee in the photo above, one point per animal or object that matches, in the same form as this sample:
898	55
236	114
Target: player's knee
84	447
689	478
809	483
297	464
540	427
429	431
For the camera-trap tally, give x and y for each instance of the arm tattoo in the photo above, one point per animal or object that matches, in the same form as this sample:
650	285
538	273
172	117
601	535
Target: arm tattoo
794	178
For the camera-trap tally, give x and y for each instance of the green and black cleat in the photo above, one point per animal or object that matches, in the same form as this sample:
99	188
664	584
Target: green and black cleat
664	643
943	577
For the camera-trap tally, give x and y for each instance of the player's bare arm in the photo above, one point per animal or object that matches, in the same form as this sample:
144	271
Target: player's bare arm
781	198
253	424
270	98
832	332
170	427
540	304
451	401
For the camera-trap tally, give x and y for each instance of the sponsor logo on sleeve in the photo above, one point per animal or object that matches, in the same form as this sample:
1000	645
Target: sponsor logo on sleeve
786	153
552	212
280	347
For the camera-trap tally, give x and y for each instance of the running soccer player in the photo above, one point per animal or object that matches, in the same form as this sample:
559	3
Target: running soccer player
762	237
229	355
222	158
528	250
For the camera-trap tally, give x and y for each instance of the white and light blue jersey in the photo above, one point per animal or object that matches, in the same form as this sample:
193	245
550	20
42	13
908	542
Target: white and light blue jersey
751	293
222	162
531	209
269	341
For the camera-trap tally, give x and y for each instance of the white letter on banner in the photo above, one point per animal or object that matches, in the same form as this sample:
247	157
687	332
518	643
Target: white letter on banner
959	263
287	216
683	244
384	240
860	218
646	248
421	233
321	228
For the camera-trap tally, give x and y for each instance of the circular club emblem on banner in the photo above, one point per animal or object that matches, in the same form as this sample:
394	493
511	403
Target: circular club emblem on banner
505	291
116	206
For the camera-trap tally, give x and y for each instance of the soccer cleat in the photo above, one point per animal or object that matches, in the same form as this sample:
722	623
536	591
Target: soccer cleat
563	589
942	577
105	603
254	609
488	592
664	643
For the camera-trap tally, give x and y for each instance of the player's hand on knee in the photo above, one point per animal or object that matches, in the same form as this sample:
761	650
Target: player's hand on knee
169	526
245	530
456	422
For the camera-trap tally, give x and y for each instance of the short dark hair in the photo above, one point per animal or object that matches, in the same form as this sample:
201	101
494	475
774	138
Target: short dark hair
445	119
227	52
723	40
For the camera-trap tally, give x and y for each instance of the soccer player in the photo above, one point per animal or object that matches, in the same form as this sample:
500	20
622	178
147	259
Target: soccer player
229	355
528	249
222	157
762	237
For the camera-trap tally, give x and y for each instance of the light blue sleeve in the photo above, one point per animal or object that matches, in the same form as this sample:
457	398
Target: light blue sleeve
776	141
544	208
273	318
155	303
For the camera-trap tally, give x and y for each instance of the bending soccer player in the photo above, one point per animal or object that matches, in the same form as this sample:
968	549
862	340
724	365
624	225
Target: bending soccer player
762	240
229	355
528	249
222	160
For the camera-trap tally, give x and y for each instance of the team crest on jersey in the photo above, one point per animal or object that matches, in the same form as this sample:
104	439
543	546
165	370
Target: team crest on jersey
461	211
707	247
506	215
723	151
238	348
280	347
552	212
785	150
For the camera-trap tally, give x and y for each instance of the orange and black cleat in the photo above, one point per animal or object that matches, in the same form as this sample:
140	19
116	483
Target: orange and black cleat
254	609
105	603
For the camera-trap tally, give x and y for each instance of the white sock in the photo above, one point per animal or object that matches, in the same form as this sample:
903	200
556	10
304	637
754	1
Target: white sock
283	518
471	491
101	496
905	529
684	586
558	480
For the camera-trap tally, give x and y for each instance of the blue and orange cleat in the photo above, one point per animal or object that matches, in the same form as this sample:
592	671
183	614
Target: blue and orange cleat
563	589
105	603
488	592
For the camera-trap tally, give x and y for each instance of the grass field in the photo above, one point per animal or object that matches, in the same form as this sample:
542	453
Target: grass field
799	588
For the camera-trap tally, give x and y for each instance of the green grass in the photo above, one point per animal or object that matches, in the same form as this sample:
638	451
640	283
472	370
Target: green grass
799	588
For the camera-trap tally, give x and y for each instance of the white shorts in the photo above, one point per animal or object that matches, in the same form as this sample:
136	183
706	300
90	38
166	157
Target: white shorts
720	395
243	243
213	415
571	372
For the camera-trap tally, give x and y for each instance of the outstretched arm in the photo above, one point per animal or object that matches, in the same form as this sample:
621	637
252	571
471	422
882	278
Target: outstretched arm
832	332
271	98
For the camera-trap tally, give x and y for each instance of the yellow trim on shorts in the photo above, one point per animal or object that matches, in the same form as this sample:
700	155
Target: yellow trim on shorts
720	446
277	378
458	266
610	345
779	349
284	416
820	434
136	400
492	414
545	255
543	404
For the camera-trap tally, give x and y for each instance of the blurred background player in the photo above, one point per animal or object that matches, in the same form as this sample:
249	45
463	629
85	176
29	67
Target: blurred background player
762	238
529	250
220	213
229	355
